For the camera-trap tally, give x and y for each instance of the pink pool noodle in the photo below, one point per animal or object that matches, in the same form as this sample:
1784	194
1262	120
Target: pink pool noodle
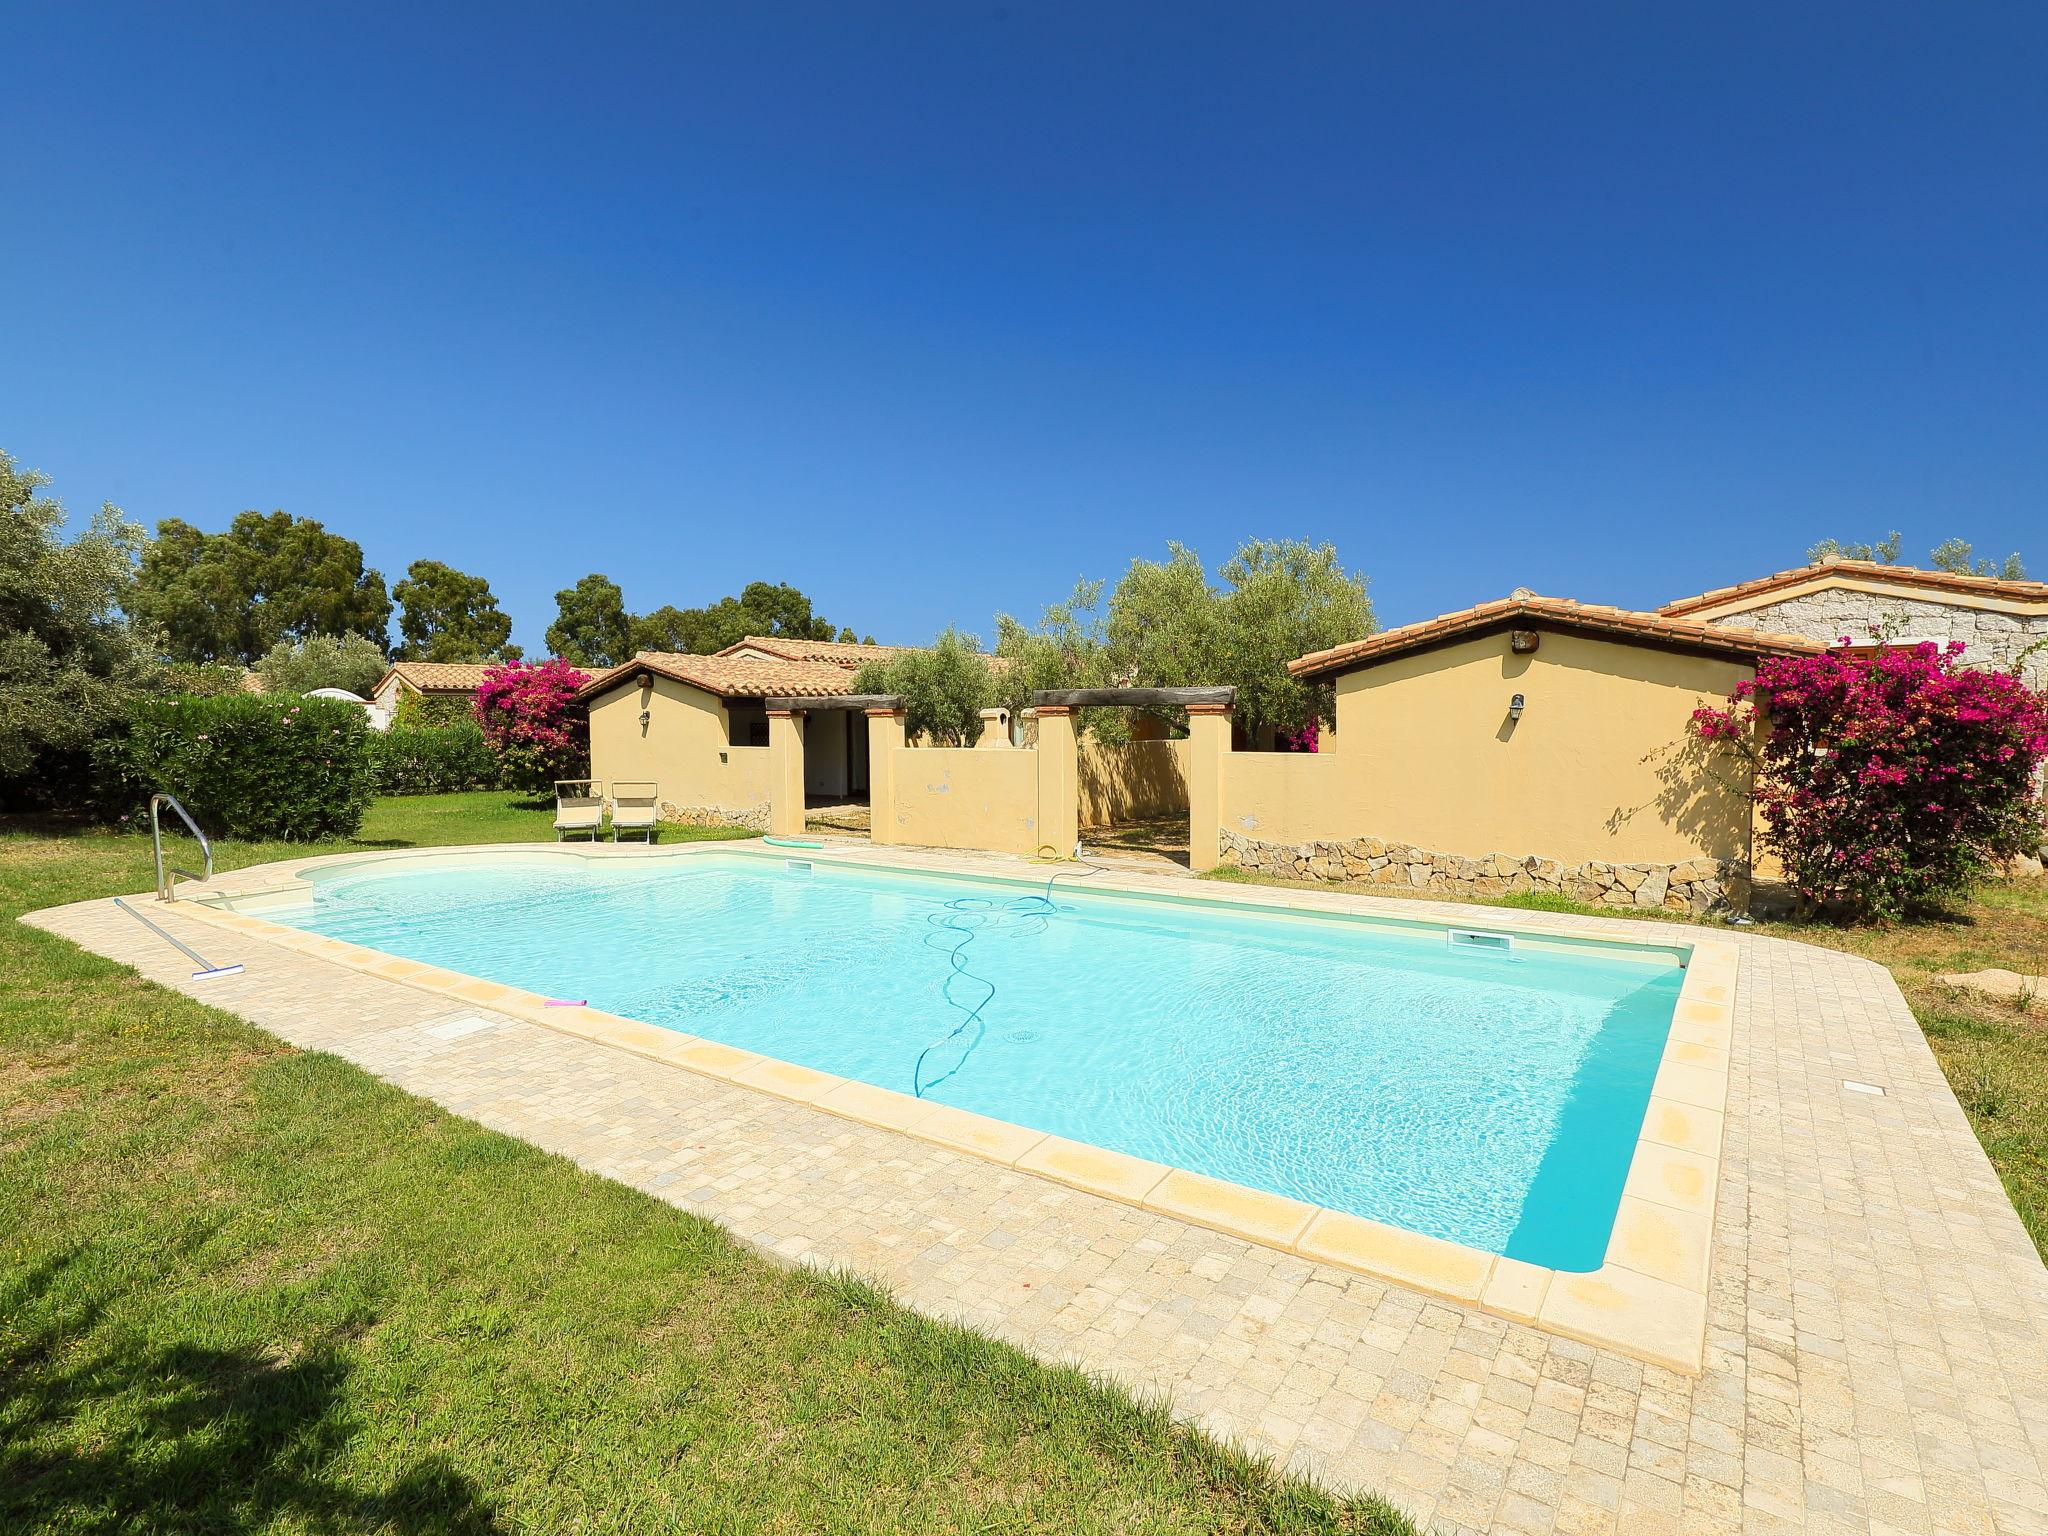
566	1002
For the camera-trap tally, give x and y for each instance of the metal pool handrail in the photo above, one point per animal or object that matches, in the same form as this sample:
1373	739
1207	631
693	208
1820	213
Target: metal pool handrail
167	879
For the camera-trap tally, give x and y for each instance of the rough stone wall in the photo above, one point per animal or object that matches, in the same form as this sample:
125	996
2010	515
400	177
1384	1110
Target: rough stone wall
1697	886
712	816
1994	639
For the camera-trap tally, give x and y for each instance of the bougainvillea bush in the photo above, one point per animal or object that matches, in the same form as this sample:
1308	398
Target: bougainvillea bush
535	725
1888	782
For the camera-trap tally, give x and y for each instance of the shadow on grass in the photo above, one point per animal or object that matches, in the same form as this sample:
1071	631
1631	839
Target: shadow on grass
187	1438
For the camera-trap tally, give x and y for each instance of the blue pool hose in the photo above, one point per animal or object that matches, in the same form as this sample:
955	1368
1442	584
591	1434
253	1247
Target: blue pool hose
951	930
790	842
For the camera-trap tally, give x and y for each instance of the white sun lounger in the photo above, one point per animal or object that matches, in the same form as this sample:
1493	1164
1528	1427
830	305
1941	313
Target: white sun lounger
579	807
633	808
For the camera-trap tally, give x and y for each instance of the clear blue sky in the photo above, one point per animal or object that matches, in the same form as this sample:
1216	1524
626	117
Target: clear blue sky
930	309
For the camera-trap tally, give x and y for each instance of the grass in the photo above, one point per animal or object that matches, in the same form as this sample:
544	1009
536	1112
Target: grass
244	1287
1994	1053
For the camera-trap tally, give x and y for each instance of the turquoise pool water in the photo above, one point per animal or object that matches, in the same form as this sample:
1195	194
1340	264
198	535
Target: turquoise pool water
1491	1099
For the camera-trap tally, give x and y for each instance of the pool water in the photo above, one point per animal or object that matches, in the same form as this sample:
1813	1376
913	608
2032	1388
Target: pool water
1490	1099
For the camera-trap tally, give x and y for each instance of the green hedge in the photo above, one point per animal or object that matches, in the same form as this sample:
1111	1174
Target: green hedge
417	711
245	765
432	759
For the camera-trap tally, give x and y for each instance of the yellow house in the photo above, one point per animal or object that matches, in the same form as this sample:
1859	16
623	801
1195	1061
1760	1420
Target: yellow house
697	728
1528	743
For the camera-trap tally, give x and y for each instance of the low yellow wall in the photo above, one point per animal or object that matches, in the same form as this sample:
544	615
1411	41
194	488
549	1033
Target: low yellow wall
1132	783
961	797
682	748
1600	766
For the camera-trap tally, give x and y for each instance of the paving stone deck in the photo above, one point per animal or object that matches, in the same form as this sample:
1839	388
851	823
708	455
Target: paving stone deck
1878	1334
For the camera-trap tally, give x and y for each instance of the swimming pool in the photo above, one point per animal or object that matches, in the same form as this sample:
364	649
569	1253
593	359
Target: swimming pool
1490	1098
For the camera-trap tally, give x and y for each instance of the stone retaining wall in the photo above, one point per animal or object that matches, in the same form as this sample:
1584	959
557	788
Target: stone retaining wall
712	816
1696	886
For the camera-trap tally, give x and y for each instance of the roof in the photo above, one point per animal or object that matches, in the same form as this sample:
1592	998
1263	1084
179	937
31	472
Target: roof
1620	624
1897	575
437	676
730	677
838	653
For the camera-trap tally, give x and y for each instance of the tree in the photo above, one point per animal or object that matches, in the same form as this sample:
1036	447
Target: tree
760	609
531	718
1170	627
69	661
1888	783
1286	598
1884	552
592	627
1066	650
1956	557
449	615
944	689
353	663
232	596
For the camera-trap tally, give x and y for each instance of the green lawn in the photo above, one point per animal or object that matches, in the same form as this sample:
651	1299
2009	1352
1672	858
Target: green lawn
1995	1054
248	1288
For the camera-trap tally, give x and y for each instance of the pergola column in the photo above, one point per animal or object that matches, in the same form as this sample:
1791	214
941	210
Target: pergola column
1059	781
885	736
786	772
1208	741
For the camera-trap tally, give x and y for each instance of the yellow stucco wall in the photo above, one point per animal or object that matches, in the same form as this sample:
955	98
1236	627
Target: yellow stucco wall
1133	782
960	797
682	748
1600	766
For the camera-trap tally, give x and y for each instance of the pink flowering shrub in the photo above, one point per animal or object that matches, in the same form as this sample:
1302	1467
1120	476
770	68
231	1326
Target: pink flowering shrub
1888	782
1307	739
530	717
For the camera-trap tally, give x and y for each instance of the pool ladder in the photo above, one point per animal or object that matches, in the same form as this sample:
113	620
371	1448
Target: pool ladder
167	885
167	875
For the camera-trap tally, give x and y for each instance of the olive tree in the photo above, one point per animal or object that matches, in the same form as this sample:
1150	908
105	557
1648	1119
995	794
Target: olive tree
352	663
944	688
69	658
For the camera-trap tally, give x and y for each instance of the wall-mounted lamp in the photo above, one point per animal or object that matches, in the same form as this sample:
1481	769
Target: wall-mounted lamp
1515	707
645	717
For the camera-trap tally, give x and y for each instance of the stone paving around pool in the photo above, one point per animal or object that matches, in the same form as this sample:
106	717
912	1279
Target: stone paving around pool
1877	1352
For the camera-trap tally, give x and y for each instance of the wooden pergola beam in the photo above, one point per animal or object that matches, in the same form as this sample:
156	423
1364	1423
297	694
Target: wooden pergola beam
1131	698
812	706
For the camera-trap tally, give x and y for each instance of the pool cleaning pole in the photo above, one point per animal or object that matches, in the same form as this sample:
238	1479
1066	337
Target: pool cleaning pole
205	972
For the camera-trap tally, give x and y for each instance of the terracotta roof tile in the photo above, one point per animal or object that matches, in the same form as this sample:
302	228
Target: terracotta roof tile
838	653
1622	624
439	676
1901	575
730	677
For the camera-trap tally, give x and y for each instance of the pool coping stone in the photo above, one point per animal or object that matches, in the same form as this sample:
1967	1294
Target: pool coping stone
1648	1300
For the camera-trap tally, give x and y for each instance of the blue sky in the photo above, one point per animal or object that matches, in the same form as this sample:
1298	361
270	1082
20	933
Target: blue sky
931	309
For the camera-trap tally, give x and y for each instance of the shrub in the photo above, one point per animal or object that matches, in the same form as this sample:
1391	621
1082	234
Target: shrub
245	765
420	710
431	759
352	663
207	679
1888	783
536	727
